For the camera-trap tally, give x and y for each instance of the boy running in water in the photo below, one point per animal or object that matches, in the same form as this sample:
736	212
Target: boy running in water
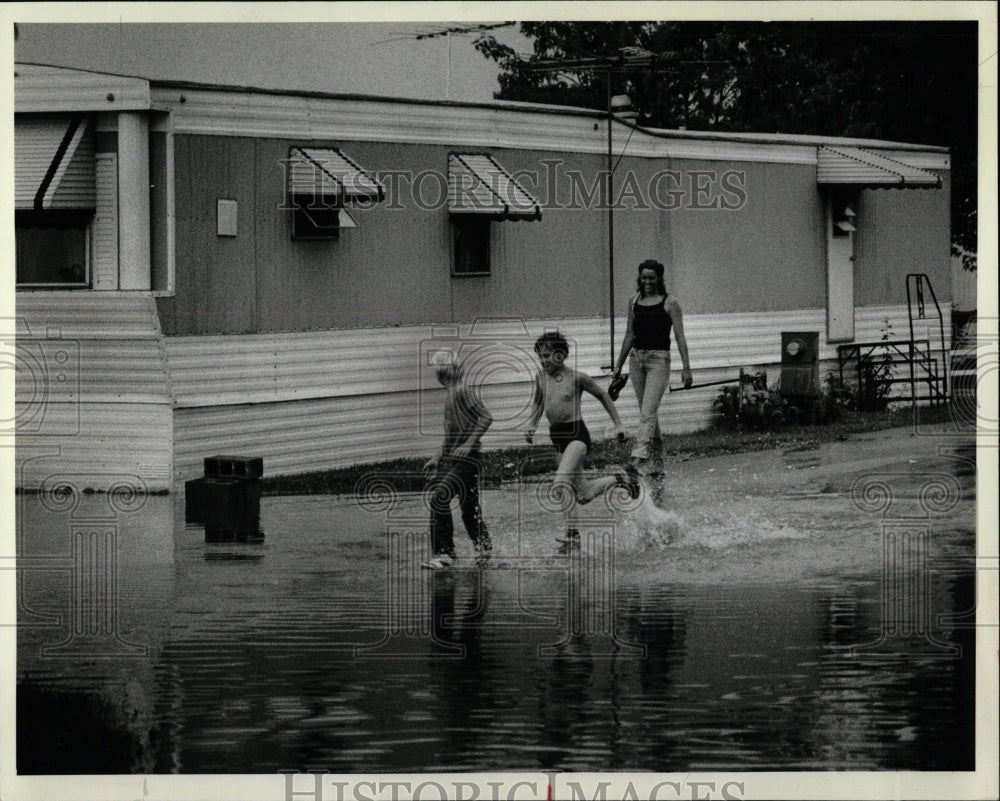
558	390
458	465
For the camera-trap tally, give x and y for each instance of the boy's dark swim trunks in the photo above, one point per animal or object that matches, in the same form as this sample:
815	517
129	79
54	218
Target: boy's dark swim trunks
562	434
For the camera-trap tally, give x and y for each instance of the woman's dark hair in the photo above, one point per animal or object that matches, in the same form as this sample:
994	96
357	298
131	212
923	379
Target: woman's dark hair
655	266
554	340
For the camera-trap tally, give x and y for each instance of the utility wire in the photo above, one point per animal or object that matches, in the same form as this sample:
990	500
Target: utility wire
455	29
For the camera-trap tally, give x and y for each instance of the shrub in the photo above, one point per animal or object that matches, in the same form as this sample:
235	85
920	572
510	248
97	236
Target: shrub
876	374
750	402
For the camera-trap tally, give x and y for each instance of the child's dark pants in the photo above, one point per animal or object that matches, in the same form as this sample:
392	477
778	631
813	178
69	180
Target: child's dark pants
456	478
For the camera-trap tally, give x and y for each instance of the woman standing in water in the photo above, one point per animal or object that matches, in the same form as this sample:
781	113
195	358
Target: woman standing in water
652	314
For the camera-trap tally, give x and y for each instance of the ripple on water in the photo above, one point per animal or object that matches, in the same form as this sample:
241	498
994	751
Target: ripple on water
747	610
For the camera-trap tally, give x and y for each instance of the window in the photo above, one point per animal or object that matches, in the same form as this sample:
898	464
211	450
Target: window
471	244
480	191
318	218
55	196
52	248
321	182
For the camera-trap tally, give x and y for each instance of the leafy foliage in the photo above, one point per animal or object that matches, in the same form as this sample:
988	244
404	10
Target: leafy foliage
900	81
876	373
751	402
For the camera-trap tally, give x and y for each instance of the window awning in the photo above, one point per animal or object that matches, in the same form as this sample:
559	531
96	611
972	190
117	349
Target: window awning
329	172
54	164
858	166
477	184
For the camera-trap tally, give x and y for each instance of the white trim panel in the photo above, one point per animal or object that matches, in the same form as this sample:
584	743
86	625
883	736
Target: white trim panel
246	112
43	88
104	228
221	113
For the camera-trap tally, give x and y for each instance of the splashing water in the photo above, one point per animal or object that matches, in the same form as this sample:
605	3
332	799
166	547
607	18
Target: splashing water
649	528
738	530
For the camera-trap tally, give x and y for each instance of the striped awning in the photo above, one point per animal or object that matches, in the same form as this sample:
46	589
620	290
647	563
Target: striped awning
329	172
54	165
858	166
477	184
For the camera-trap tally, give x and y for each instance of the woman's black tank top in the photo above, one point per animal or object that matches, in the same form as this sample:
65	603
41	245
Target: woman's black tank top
651	326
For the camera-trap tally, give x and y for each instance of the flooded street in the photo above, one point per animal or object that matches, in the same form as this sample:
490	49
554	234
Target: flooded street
802	610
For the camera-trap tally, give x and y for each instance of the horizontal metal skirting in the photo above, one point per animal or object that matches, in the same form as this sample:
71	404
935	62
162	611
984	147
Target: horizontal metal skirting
97	445
93	370
362	414
311	435
91	386
268	368
87	315
317	400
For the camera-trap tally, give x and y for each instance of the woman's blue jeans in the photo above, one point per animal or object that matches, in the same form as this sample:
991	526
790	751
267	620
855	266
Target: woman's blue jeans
650	373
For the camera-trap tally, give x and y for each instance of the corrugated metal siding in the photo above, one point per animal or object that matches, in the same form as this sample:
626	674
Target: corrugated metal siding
71	370
767	254
104	228
901	232
92	383
367	395
262	368
298	437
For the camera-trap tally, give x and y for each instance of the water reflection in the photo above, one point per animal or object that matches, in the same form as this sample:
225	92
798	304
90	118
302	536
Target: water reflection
323	647
227	510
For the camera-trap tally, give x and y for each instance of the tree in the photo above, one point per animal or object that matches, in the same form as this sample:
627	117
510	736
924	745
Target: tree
901	81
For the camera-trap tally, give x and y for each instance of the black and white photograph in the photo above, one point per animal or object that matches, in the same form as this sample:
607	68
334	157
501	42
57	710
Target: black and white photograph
572	402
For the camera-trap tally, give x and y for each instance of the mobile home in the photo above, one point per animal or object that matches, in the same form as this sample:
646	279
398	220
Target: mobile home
205	269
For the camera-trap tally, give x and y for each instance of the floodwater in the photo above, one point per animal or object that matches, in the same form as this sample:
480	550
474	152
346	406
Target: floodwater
800	610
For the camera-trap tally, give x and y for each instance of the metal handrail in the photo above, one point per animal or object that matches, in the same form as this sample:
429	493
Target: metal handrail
919	279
